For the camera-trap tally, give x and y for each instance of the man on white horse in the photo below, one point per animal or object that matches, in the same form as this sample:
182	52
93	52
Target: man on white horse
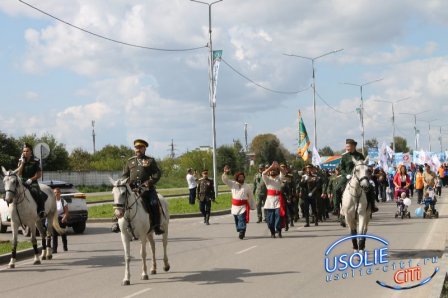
143	174
347	166
29	171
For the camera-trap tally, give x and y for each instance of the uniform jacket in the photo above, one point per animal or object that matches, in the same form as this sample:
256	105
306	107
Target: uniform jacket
205	190
140	170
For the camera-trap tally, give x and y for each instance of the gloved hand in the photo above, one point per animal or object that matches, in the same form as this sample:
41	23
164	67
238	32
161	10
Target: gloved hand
310	194
348	176
29	181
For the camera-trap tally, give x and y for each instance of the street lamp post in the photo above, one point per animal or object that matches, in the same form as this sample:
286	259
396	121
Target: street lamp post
415	125
211	87
429	130
314	85
362	107
393	116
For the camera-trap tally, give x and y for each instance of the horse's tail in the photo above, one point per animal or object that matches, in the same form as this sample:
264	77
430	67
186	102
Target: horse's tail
56	225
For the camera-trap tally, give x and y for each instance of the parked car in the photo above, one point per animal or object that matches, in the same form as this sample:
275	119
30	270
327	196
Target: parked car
5	219
76	202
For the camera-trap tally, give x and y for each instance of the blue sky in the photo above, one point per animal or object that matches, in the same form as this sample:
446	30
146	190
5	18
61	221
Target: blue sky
56	79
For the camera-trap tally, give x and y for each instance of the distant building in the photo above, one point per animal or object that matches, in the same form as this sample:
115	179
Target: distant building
205	148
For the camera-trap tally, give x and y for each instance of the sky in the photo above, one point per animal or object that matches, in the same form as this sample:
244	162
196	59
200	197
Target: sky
57	79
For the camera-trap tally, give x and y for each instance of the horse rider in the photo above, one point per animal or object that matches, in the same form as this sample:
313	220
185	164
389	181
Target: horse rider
143	174
29	170
347	166
260	192
205	194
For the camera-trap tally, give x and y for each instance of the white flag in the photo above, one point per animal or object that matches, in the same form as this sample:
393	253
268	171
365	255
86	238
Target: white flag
217	55
316	161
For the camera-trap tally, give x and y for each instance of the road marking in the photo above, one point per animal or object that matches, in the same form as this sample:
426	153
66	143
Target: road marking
138	293
245	250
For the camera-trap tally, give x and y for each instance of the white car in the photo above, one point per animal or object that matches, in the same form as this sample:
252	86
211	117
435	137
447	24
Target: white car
76	201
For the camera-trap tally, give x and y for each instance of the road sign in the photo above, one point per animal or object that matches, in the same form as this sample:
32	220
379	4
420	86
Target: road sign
41	150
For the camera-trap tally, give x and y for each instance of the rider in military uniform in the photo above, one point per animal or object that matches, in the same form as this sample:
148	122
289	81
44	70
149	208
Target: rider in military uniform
143	174
260	192
205	195
347	166
30	172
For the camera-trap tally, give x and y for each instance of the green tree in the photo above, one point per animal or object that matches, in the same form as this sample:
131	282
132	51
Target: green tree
372	143
326	151
9	152
111	158
401	145
267	148
197	160
58	158
79	160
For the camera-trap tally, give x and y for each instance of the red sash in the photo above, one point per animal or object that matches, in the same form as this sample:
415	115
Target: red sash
238	202
273	192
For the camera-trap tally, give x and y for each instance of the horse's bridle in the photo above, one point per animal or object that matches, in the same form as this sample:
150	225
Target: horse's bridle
15	192
356	176
126	206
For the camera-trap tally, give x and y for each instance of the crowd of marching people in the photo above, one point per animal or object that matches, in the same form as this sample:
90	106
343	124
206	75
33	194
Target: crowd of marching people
282	195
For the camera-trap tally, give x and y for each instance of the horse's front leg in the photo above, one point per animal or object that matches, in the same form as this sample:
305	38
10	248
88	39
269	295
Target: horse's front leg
12	262
153	250
166	264
363	230
354	240
127	257
143	255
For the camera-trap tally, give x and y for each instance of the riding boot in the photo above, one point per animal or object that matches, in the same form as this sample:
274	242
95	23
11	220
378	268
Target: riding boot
55	244
64	241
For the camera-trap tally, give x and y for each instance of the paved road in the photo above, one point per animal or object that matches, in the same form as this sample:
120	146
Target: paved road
210	261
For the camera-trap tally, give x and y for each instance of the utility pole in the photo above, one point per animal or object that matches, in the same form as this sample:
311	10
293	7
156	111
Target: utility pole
314	85
415	126
93	136
172	150
362	108
211	89
429	131
245	137
393	116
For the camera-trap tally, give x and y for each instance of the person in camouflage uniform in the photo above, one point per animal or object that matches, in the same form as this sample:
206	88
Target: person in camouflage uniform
333	186
205	194
260	192
310	184
29	171
347	166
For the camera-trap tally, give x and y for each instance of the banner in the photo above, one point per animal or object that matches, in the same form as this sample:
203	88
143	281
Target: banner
316	161
304	141
330	162
398	158
217	55
373	154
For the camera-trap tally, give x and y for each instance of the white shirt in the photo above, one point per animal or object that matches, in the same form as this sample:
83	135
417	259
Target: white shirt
60	204
239	192
191	180
274	183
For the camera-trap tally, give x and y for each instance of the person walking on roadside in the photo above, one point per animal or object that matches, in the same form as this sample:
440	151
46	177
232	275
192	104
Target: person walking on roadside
205	194
419	184
242	200
275	203
192	185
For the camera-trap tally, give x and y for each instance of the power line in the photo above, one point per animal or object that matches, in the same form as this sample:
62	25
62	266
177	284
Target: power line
259	85
108	38
331	107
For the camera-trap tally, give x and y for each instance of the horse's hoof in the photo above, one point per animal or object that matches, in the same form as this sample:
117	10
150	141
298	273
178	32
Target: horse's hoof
167	268
43	257
145	277
125	283
37	262
153	271
49	257
11	266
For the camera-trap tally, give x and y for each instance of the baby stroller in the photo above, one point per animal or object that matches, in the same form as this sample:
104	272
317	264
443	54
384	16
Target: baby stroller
430	203
402	206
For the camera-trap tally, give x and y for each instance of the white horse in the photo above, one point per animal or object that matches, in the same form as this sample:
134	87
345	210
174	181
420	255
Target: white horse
23	211
354	203
134	222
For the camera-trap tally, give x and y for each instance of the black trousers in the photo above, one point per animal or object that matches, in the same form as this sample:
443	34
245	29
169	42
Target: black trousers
152	203
309	201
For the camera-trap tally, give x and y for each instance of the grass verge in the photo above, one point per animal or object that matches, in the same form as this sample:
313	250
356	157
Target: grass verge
162	191
176	206
5	246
